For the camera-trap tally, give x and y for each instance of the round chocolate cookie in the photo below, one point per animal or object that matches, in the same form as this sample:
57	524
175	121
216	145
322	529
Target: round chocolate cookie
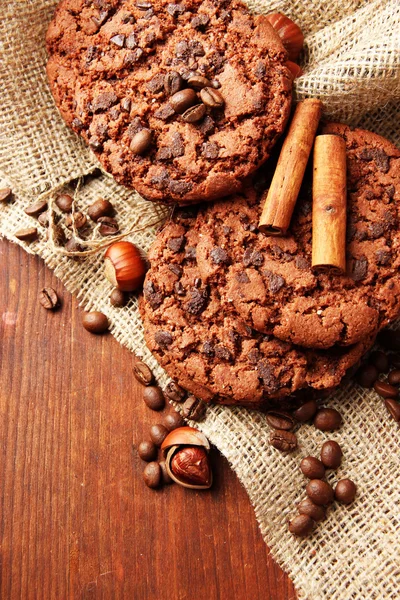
203	344
180	101
269	279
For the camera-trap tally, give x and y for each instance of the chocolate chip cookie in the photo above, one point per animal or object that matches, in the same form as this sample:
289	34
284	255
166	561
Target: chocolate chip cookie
203	344
269	280
180	101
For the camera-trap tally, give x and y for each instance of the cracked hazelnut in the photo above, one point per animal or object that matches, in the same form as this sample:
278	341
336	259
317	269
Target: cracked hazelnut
186	458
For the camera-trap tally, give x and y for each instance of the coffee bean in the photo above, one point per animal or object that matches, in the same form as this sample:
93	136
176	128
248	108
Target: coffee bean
48	298
108	226
345	491
312	468
211	97
158	433
394	409
117	298
306	411
395	360
43	218
183	100
390	339
78	219
142	372
27	235
194	409
380	361
194	113
385	389
147	451
65	202
320	492
367	375
394	377
172	83
165	478
315	512
95	322
301	526
282	440
141	142
5	194
100	208
279	420
198	82
331	454
154	398
173	420
73	246
152	475
174	392
327	419
36	208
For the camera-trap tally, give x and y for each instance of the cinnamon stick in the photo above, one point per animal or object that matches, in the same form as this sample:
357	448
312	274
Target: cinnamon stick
289	173
329	205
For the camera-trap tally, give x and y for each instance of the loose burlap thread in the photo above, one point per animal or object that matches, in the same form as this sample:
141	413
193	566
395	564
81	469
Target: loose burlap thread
352	63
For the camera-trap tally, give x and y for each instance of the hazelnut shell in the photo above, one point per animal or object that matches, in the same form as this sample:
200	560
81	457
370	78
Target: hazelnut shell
185	436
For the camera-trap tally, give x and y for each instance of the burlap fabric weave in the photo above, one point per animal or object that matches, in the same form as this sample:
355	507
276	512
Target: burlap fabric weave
352	62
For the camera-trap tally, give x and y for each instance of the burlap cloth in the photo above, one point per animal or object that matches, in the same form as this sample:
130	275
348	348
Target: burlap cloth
352	62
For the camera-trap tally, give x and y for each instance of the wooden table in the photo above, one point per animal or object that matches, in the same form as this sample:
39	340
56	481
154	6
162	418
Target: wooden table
77	519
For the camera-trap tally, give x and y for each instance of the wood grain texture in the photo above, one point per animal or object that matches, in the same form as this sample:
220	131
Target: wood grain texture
76	518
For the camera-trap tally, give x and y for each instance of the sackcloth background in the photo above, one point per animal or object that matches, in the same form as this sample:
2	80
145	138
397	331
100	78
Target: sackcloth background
351	62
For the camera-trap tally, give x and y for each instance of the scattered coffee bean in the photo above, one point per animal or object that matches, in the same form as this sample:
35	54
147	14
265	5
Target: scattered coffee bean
172	83
395	360
194	409
315	512
174	392
394	409
5	194
306	411
117	298
65	202
345	491
73	246
385	389
331	454
367	375
173	420
158	433
280	420
141	141
394	377
380	360
100	208
282	440
108	226
320	492
165	478
301	525
154	398
390	339
142	372
198	82
27	235
36	208
194	113
43	218
147	451
78	219
152	475
211	97
48	298
182	100
327	419
95	322
312	468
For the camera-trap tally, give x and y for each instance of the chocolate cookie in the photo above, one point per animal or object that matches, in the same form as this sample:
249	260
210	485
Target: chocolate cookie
269	279
180	101
207	348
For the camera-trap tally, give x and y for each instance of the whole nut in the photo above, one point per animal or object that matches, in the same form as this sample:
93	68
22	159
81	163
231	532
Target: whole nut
211	97
306	411
141	141
312	468
194	409
345	491
315	512
142	372
173	420
117	298
327	419
182	100
320	492
279	419
48	298
100	208
158	433
174	392
302	525
95	322
282	440
154	398
147	451
331	454
152	475
65	202
190	466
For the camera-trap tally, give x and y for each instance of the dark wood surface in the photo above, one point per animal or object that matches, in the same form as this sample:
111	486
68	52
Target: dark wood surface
76	518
